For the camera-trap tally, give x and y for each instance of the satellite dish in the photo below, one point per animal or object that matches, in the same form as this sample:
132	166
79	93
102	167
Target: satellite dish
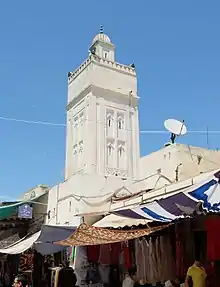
177	128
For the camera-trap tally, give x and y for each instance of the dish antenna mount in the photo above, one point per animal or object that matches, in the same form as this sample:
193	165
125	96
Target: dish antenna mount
177	128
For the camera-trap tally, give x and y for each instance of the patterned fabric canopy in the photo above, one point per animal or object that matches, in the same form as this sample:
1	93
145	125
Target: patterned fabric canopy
181	204
90	235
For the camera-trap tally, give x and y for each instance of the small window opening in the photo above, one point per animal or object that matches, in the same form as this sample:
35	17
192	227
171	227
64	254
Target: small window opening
109	150
70	206
120	151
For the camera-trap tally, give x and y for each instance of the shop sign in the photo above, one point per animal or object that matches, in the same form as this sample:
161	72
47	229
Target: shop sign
25	211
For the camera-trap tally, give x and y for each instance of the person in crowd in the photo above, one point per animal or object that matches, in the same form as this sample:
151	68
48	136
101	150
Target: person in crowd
176	282
67	277
20	281
196	275
213	276
129	279
168	283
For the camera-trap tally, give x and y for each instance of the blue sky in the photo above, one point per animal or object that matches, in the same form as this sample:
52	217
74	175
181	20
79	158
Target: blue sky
174	44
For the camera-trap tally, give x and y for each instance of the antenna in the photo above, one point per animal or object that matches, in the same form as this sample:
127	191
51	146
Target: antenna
177	128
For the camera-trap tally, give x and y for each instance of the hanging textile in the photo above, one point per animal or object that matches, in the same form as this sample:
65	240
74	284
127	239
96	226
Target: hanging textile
180	270
80	264
189	248
154	259
168	261
93	253
127	256
138	255
26	261
115	252
73	253
104	255
213	243
185	250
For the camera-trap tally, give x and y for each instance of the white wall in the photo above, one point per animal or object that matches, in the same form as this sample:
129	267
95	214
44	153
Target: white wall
167	159
40	208
114	77
81	194
52	205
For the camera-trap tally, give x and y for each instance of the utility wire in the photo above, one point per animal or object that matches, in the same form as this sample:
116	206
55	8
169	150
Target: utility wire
31	122
141	132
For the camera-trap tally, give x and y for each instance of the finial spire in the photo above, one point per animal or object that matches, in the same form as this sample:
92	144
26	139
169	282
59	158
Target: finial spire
101	29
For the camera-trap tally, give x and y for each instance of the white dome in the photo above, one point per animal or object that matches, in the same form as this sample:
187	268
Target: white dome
101	37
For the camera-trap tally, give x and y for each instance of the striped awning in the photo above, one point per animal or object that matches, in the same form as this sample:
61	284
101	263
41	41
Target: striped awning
179	205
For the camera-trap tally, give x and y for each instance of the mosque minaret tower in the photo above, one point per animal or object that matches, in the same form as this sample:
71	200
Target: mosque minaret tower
102	115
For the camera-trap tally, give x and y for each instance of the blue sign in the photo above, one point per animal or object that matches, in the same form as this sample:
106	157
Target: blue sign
25	211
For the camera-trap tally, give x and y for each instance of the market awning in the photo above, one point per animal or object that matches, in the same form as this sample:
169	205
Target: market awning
53	233
47	248
9	210
21	245
180	204
42	241
50	234
89	235
116	221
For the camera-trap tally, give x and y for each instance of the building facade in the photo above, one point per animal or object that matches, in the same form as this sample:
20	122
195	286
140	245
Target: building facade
102	115
102	143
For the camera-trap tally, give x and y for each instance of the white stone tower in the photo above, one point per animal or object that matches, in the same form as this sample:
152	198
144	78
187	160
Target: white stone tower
102	115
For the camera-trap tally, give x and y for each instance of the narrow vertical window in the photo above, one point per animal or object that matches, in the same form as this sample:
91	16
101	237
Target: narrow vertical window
109	150
120	124
70	206
109	120
120	151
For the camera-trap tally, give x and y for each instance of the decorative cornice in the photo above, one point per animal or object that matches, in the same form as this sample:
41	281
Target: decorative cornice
102	62
116	172
98	92
79	70
114	65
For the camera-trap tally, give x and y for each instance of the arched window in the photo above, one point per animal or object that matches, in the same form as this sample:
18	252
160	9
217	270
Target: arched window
110	149
120	151
109	120
120	123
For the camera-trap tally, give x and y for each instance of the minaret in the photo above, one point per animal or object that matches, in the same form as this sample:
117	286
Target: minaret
102	115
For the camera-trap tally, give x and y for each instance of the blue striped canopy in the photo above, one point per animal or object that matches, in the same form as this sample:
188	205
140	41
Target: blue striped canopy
180	204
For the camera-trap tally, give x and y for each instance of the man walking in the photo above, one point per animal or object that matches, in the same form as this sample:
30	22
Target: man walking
66	277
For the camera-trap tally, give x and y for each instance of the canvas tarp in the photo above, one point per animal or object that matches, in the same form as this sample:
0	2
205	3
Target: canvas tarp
53	233
91	235
42	241
49	234
21	245
116	221
201	197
